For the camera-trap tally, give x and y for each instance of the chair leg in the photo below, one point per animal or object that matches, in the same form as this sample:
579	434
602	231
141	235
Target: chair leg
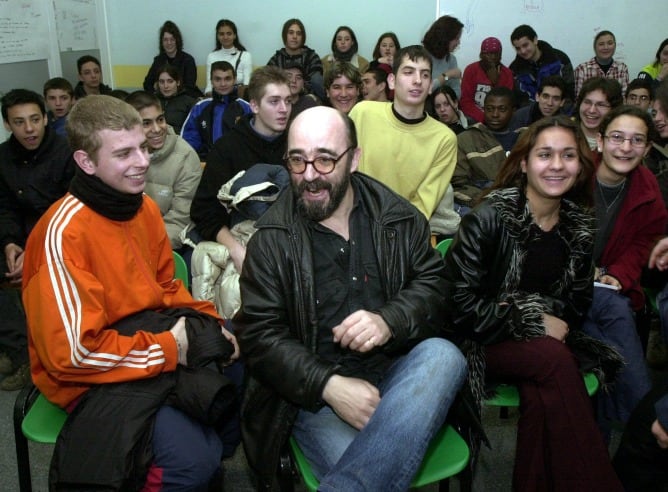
286	478
23	401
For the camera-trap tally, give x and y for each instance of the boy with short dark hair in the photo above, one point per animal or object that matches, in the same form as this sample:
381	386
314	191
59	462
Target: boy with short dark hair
535	60
640	92
59	97
36	171
482	149
549	101
257	138
212	117
404	148
90	78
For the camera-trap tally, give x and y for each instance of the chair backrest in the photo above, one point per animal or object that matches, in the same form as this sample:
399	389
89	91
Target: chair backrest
180	269
442	247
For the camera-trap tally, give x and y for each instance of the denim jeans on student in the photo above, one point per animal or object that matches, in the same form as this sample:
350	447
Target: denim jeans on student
611	319
416	394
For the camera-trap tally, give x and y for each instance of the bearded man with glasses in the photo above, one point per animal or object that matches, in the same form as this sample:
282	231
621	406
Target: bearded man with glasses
341	310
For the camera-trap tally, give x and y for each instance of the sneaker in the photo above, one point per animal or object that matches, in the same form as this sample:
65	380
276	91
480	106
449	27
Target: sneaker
18	380
6	366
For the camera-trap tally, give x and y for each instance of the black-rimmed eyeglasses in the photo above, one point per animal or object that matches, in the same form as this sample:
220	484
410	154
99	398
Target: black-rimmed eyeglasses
324	164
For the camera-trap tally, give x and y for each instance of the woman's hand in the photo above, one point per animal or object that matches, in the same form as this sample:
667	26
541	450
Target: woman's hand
555	327
610	280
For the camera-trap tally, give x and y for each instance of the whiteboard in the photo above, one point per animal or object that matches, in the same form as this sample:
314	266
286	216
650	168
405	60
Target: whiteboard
75	23
24	31
568	25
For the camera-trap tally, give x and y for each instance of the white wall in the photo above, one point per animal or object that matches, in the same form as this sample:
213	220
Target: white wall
569	25
133	25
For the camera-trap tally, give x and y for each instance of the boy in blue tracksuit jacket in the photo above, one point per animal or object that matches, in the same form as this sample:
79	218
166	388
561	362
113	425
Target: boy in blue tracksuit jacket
210	118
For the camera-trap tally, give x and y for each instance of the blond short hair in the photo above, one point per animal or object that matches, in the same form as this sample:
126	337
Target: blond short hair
93	114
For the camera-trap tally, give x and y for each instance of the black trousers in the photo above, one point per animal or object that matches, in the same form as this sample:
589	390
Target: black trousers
640	463
13	331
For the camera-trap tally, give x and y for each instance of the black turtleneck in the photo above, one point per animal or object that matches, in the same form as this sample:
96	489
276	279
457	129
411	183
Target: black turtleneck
104	199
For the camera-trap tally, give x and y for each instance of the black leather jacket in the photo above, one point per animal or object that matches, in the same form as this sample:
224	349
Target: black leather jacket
277	323
484	267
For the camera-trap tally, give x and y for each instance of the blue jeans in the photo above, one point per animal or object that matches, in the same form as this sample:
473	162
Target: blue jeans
662	306
416	394
611	320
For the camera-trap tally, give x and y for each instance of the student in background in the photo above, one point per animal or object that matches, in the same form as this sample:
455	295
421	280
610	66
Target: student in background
441	40
212	117
479	78
602	64
344	49
173	97
482	149
657	71
446	109
174	171
298	97
343	84
535	60
549	102
406	149
36	170
374	83
597	98
90	78
640	92
170	44
257	138
657	158
295	50
386	48
229	49
59	97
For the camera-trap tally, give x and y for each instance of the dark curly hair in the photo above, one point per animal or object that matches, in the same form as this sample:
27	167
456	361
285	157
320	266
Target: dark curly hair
440	34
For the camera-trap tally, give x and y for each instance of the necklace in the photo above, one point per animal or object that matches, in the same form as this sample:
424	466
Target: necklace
620	189
543	224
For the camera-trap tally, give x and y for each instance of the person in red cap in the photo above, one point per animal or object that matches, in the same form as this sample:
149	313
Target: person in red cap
479	78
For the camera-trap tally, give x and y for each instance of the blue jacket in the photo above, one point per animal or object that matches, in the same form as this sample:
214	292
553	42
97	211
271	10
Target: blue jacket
529	74
210	118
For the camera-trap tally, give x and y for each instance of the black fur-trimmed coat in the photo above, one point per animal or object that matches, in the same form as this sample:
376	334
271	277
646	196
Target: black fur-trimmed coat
484	267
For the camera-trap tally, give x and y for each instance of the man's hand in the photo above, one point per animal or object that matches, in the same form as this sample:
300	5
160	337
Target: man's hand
180	335
362	331
14	256
659	256
660	434
610	280
233	340
555	327
354	400
236	249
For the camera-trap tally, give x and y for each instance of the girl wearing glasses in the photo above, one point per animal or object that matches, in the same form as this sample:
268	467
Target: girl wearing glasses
519	281
596	98
630	218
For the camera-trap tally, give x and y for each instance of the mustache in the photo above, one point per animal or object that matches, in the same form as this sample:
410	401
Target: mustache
315	185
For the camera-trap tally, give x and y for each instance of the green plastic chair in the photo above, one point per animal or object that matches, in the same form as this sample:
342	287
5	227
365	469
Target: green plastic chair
180	269
508	396
442	247
37	419
446	456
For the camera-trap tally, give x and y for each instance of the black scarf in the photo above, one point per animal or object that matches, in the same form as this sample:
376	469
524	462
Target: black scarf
340	56
103	199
